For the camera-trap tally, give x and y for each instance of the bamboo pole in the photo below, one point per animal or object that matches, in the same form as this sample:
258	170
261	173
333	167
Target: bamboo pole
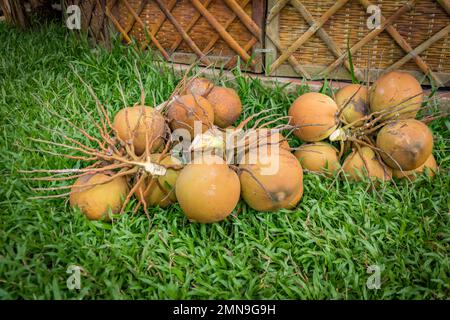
132	21
245	19
183	33
232	62
291	59
276	9
159	22
445	4
221	30
216	36
117	25
152	38
421	48
194	20
405	45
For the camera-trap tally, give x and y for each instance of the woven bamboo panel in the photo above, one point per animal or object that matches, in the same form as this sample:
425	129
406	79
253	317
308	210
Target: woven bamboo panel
184	31
311	37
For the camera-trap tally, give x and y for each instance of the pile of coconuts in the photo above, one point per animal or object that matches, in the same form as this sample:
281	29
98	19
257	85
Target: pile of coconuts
191	150
376	126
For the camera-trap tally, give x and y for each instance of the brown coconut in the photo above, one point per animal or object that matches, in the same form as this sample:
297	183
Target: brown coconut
429	168
226	104
364	163
198	86
188	109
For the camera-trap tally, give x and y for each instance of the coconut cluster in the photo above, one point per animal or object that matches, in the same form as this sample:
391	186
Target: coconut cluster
192	149
147	159
375	127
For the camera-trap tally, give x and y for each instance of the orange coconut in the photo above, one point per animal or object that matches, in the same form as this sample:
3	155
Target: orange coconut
397	93
143	125
95	196
405	143
207	190
271	181
315	114
429	168
186	110
318	157
364	163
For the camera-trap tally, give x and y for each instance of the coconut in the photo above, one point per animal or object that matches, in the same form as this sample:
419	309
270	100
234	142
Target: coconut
397	93
355	166
318	157
207	190
315	114
271	181
162	191
405	143
188	109
198	86
143	125
354	99
95	197
226	104
429	168
262	137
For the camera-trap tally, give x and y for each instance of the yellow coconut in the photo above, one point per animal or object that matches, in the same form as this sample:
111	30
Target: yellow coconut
353	100
397	93
316	116
95	196
318	157
143	125
405	143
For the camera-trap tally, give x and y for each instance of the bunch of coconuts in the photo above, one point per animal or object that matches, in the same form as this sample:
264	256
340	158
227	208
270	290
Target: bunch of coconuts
376	126
135	157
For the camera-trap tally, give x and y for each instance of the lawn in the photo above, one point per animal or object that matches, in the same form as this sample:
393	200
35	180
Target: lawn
321	250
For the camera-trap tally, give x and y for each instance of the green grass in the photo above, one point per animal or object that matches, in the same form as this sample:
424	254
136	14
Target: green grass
321	250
